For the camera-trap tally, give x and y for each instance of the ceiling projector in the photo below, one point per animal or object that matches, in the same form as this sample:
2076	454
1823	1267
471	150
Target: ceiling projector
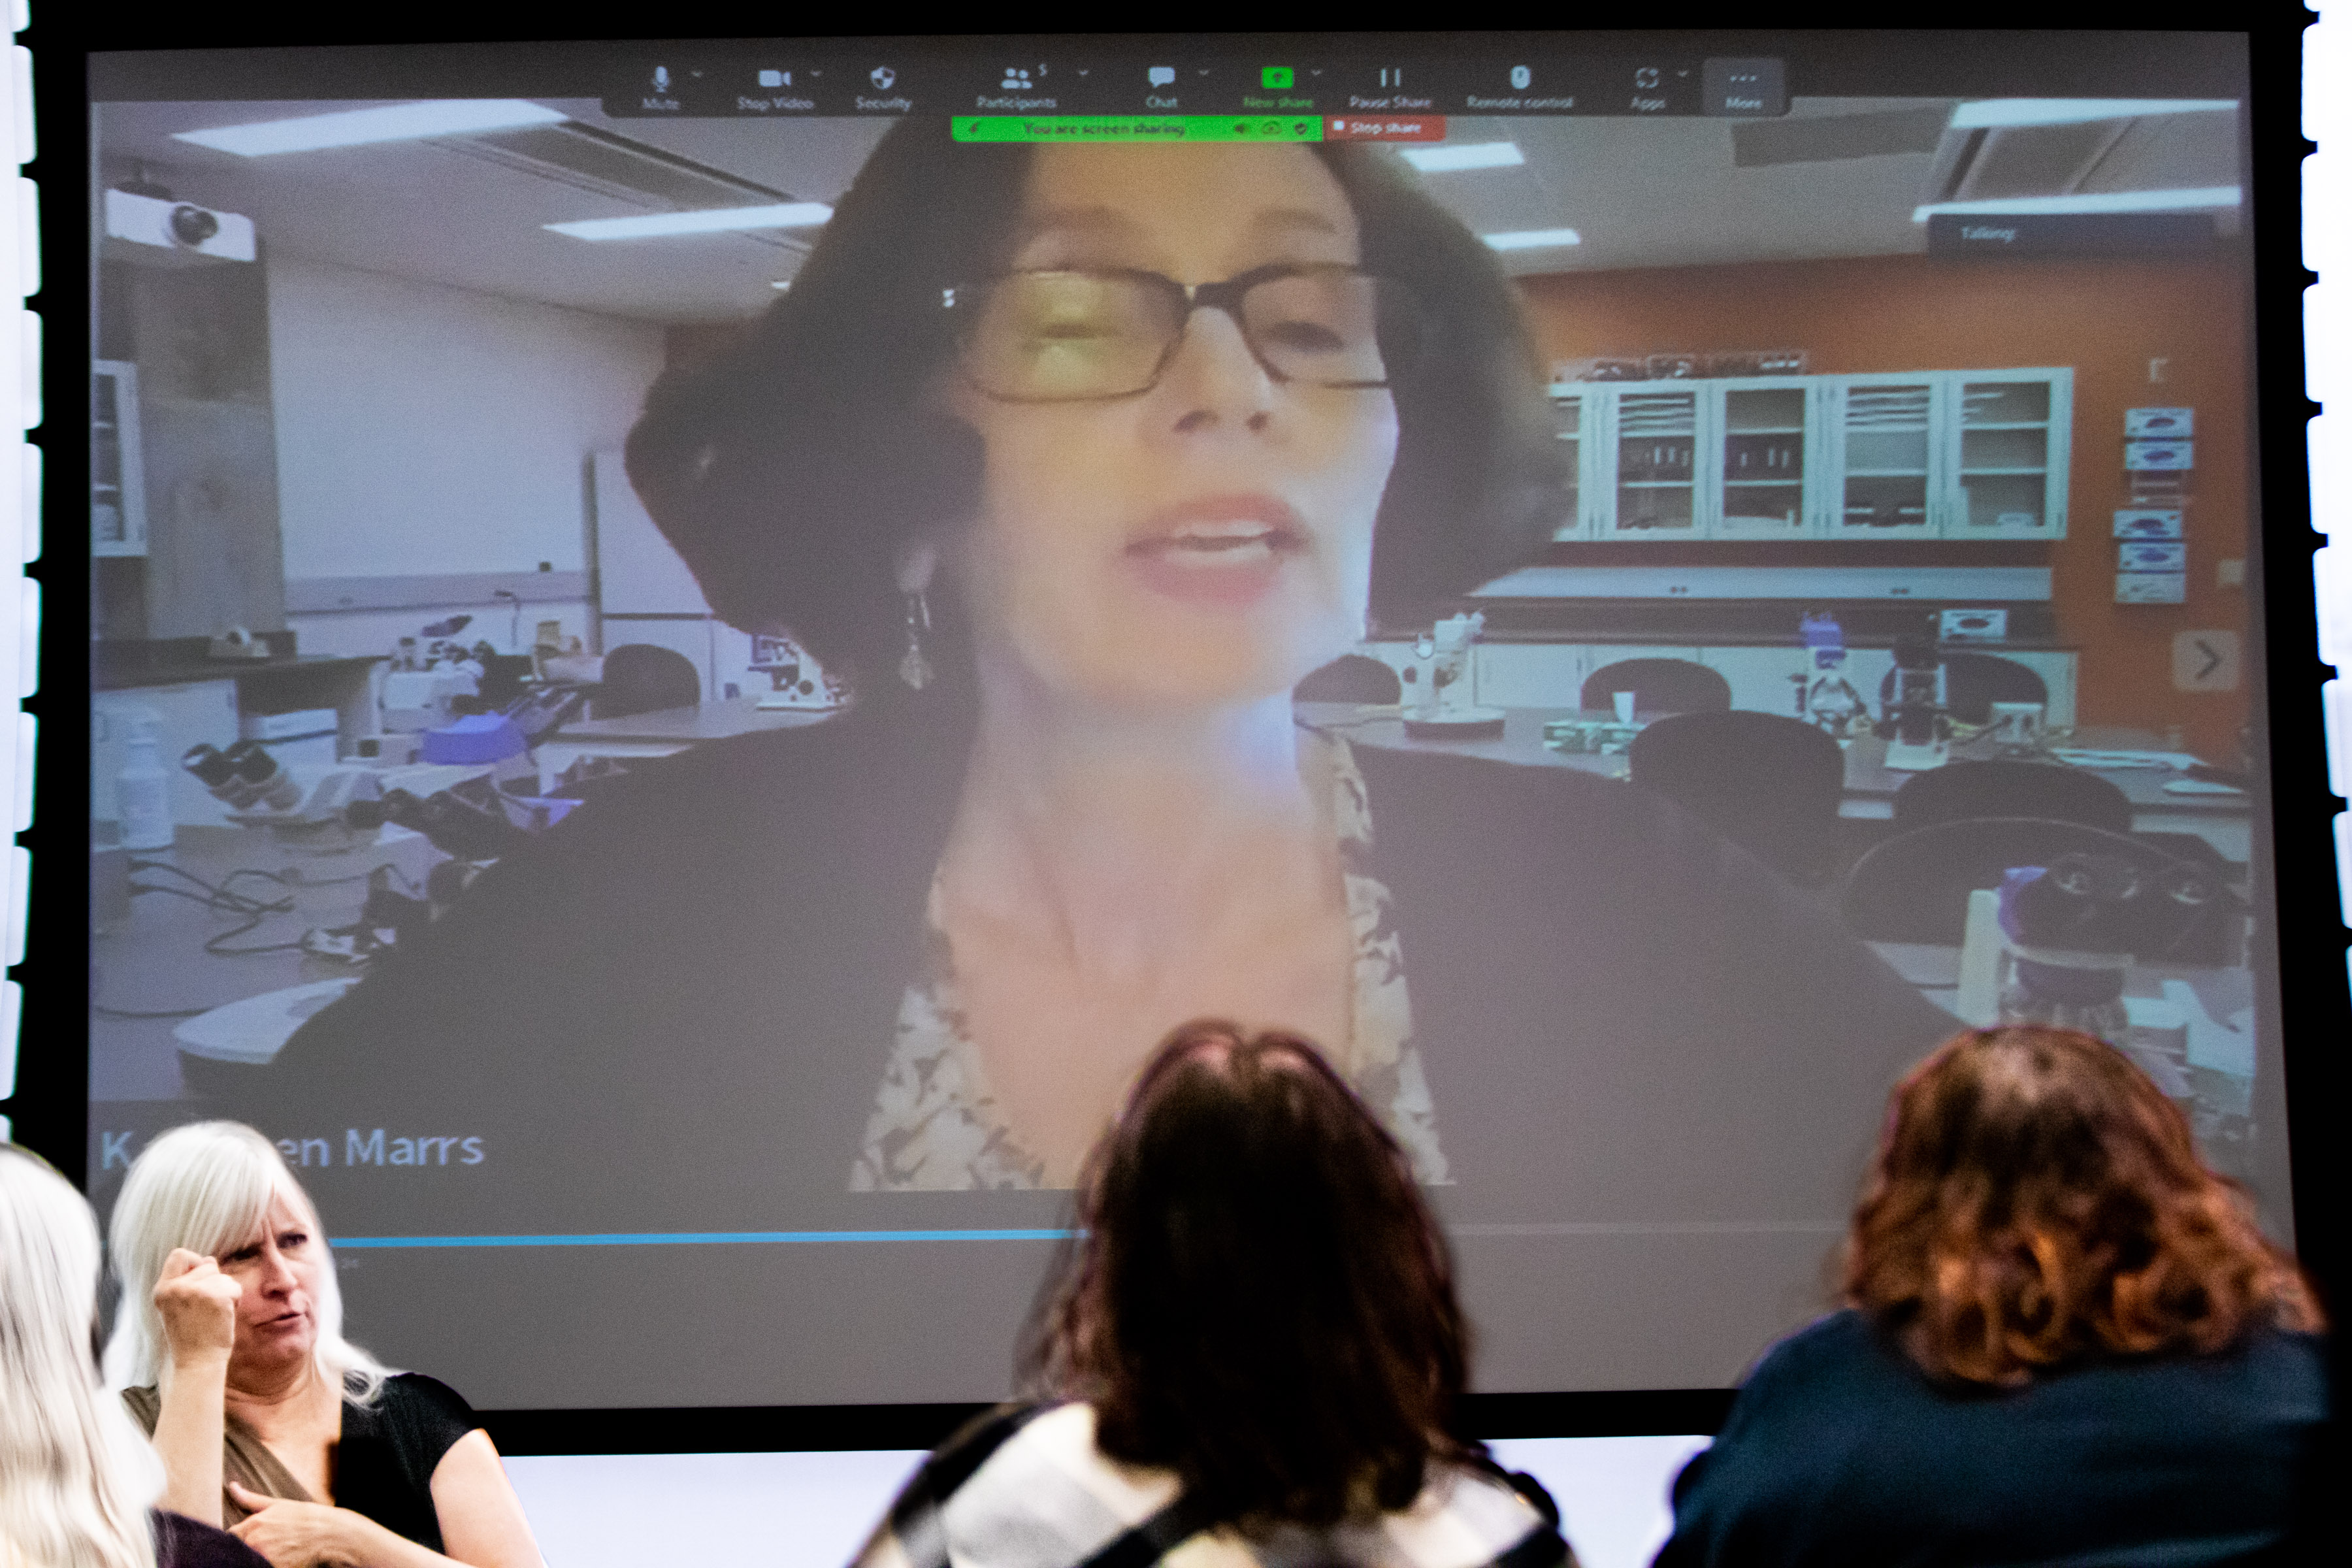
157	231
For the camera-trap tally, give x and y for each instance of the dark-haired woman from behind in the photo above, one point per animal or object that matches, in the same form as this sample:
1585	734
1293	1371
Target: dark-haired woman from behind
2066	1341
1251	1355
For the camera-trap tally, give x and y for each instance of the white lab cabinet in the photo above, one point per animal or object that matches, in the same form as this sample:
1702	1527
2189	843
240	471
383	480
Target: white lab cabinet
1887	460
1763	679
2009	437
1576	415
1651	454
117	479
1763	478
1552	675
1526	675
1910	454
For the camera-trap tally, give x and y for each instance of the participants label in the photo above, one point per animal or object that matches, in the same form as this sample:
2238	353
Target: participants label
1138	128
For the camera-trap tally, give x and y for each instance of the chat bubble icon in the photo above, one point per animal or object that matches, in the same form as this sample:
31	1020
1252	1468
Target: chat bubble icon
1161	76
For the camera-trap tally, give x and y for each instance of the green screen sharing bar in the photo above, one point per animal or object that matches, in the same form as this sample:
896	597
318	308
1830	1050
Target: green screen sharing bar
1138	128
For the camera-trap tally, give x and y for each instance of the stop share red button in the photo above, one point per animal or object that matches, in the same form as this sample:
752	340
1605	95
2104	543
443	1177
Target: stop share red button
1384	128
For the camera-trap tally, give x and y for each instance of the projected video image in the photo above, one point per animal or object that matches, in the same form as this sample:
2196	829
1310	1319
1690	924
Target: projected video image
709	684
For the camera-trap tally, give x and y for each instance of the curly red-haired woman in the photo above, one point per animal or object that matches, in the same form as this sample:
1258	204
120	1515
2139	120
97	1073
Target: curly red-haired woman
2066	1340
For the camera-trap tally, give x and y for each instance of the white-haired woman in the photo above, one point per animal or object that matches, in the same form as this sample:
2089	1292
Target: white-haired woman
74	1480
229	1348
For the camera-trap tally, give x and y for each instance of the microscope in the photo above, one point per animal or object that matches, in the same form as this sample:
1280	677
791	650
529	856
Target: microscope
1918	725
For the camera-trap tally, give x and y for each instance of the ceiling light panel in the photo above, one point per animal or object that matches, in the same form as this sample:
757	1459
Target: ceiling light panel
1461	155
717	220
1991	113
2206	199
1532	240
361	127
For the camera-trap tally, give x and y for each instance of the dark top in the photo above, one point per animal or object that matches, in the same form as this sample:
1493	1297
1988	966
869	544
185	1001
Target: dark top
1840	1450
384	1467
672	1012
383	1462
183	1542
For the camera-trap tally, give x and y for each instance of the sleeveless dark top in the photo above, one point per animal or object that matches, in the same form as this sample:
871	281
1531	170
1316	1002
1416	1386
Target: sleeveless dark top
383	1464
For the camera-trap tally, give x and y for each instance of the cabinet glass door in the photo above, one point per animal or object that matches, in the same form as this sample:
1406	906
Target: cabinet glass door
1568	419
118	518
1886	459
1760	493
2010	475
1655	445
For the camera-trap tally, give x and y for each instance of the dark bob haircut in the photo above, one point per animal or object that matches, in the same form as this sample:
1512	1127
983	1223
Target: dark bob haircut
789	470
2038	1200
1260	1301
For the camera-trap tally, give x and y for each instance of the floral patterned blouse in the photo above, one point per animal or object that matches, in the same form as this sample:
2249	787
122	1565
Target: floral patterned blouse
936	1126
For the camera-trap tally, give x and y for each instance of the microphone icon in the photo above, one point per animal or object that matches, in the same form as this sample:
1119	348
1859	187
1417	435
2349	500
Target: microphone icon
661	78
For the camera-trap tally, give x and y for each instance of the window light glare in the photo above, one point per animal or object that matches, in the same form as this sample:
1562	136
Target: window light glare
1996	112
2200	198
358	127
1447	160
1532	239
710	220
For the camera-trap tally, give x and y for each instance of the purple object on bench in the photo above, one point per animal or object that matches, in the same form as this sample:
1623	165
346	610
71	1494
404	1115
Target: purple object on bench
475	738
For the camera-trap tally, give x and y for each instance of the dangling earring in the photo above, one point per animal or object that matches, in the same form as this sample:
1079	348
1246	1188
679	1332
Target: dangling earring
914	668
915	568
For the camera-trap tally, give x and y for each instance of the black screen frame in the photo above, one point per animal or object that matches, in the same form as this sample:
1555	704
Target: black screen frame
51	1106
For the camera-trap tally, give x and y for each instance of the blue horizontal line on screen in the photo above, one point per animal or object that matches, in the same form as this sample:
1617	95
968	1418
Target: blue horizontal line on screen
699	1238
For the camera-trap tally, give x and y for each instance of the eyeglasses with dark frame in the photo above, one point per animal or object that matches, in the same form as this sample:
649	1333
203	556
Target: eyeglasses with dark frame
1077	334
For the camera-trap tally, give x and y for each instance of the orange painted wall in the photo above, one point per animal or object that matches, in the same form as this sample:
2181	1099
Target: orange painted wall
2105	319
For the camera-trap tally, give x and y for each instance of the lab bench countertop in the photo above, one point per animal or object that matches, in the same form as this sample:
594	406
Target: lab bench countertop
115	673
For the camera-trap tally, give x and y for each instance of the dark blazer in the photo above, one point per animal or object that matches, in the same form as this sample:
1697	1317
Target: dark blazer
672	1012
1840	1451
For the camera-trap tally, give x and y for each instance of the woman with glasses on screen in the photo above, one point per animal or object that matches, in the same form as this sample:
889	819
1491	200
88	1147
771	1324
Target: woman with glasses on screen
2066	1340
1252	1354
1081	458
76	1479
229	1343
